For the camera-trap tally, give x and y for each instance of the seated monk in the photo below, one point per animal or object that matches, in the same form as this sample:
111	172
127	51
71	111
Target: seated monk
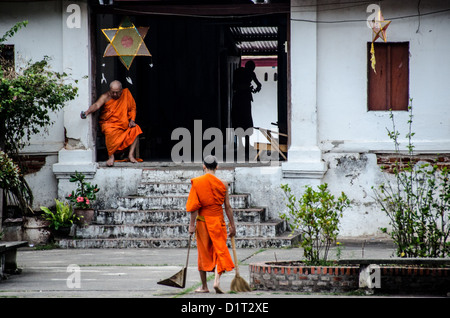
117	120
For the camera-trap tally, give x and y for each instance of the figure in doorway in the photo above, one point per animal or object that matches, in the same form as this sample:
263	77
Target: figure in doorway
206	197
117	121
241	108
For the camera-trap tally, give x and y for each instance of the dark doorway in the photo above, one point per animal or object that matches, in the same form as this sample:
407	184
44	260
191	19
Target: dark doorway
188	76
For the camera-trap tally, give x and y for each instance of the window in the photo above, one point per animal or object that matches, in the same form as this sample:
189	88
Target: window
388	88
7	56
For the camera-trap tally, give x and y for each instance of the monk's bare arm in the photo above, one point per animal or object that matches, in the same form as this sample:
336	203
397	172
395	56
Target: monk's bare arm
258	84
99	103
192	222
229	212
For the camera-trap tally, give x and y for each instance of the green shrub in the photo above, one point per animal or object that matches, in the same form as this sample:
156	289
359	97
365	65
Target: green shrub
63	216
317	215
417	203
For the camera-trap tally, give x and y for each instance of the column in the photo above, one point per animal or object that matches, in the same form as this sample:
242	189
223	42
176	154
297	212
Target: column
78	154
305	156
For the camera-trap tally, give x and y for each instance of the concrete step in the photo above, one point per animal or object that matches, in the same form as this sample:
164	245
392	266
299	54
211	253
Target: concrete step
162	202
156	216
180	175
163	188
175	230
169	188
283	240
255	215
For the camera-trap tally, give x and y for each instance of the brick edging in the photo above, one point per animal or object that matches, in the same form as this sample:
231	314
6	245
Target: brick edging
397	279
266	276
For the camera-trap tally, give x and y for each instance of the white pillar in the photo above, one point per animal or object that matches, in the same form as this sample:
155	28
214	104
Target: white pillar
78	153
305	156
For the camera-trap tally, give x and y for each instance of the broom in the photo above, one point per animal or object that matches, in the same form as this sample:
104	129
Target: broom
238	284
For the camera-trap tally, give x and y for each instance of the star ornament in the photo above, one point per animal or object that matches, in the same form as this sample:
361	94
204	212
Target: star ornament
379	27
126	42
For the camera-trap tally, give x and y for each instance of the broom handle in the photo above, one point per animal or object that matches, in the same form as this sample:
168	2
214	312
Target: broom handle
189	248
233	244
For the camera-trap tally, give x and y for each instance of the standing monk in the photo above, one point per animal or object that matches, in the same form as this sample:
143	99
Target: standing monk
208	194
241	108
117	120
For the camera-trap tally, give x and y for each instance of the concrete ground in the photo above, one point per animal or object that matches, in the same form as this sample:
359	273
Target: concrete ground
135	272
87	274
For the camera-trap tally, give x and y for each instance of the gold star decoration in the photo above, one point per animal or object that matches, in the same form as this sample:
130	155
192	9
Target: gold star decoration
126	42
379	27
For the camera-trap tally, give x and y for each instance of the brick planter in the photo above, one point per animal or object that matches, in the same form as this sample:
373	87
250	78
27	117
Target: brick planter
288	276
393	279
415	280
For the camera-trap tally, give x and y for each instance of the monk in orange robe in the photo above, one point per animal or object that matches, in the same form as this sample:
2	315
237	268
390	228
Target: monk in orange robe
206	197
117	121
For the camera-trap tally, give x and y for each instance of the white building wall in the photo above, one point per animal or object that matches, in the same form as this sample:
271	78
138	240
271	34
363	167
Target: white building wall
264	106
344	122
349	134
49	34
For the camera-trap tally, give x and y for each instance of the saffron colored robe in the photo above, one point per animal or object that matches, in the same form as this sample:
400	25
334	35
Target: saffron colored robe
207	195
114	120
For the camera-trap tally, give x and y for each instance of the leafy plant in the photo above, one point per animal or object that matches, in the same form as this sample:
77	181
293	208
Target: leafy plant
317	215
85	193
63	216
28	96
417	202
16	189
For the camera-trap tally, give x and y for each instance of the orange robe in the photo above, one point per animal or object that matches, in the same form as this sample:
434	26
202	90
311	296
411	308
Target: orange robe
207	195
114	121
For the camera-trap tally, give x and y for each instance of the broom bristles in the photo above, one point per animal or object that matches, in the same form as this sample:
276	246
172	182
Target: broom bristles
238	284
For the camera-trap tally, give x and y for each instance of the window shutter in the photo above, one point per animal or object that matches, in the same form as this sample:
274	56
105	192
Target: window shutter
388	88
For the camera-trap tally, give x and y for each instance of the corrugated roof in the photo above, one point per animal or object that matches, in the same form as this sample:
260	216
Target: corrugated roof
256	40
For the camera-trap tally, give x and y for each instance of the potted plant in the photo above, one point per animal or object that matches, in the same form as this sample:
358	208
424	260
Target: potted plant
61	219
81	198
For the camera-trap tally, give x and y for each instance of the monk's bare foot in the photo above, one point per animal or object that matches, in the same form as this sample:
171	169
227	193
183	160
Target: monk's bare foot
218	289
132	159
110	161
217	283
201	290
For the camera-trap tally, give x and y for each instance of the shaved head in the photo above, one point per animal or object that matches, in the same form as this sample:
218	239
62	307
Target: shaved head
115	89
115	85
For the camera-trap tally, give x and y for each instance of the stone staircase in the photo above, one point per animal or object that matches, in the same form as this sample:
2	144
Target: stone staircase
155	217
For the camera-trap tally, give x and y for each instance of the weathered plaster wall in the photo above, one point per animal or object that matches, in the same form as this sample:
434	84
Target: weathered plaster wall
355	174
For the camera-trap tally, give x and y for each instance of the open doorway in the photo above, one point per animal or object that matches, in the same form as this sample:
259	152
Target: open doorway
189	76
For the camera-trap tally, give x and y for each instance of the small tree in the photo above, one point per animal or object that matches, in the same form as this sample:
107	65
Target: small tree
28	96
317	215
417	202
